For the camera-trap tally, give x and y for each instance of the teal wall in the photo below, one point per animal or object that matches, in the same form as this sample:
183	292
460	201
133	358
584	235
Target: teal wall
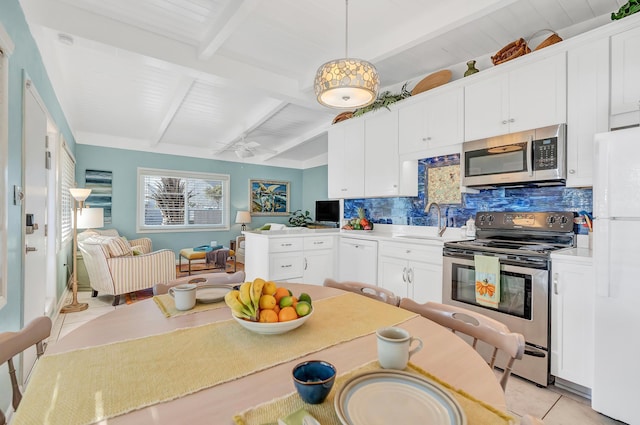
25	59
306	186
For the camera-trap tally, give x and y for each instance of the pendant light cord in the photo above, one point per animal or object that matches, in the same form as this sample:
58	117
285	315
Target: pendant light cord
346	30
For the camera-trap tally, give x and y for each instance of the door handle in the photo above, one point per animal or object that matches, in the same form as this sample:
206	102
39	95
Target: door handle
30	248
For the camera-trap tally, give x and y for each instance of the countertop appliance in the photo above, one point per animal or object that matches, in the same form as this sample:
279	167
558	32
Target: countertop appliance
523	242
529	158
616	201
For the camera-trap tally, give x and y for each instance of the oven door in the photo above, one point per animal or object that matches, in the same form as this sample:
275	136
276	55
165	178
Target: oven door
524	295
524	309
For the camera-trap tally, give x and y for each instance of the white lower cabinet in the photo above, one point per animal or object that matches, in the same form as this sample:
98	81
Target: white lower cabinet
358	260
572	320
308	259
411	270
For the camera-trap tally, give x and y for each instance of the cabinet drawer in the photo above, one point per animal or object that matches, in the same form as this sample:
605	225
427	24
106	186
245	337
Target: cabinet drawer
285	244
318	242
285	266
411	252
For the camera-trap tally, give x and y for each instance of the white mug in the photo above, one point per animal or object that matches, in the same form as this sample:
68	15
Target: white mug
184	296
394	347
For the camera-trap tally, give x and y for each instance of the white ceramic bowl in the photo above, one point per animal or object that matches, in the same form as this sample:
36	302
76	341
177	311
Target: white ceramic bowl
273	328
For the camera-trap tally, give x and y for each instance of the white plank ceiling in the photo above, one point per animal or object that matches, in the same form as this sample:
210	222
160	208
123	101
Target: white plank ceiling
202	77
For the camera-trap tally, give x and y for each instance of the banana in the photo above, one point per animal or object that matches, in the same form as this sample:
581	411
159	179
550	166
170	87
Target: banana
245	297
256	292
237	308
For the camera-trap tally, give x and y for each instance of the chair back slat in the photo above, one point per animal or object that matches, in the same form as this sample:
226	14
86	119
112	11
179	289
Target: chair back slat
475	325
361	288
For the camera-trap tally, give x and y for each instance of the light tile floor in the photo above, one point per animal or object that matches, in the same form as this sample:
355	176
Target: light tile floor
554	405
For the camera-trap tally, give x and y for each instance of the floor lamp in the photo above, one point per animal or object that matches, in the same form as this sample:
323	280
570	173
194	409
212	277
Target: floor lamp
88	218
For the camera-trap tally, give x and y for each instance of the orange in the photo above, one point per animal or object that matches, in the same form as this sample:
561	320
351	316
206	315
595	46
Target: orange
286	314
268	316
269	288
281	292
276	309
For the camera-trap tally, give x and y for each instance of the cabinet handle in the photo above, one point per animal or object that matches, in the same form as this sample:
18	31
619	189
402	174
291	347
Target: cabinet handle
429	138
555	283
410	275
424	139
318	243
512	120
285	244
504	122
404	274
408	251
572	171
344	189
305	264
285	266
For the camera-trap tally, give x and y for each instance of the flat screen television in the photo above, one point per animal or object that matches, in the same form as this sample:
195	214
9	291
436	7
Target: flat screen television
328	211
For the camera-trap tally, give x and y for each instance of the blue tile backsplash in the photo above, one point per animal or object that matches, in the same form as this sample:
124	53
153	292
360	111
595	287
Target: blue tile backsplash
410	211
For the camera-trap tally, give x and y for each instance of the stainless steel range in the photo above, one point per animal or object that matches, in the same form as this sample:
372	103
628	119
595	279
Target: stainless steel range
523	242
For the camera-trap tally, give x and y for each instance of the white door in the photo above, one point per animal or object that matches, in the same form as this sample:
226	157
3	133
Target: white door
35	210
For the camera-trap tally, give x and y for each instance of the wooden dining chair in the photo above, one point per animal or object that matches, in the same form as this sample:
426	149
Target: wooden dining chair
371	291
202	279
477	326
14	343
530	420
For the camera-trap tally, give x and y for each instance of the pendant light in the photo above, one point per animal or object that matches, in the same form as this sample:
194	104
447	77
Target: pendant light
346	82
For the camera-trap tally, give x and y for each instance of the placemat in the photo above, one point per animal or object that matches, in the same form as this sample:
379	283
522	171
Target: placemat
167	305
88	385
477	412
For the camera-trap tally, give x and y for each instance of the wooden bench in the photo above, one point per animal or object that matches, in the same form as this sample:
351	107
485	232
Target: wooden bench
190	255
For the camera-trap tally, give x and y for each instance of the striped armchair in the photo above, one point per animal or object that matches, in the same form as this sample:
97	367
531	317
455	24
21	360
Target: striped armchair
142	245
114	270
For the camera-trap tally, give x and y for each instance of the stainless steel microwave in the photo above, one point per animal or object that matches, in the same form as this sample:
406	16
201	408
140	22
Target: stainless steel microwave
529	158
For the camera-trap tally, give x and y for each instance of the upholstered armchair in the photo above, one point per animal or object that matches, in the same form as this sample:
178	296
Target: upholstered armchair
114	269
240	249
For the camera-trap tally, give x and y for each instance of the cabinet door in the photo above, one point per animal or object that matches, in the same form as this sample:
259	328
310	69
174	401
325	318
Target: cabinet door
382	164
625	68
443	115
425	282
412	136
572	321
318	265
393	275
538	94
486	108
358	261
587	107
346	160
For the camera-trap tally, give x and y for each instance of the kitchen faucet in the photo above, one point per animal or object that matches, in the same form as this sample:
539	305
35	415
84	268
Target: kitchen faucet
440	229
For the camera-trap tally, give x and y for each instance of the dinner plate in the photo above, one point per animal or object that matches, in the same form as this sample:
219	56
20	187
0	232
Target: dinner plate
206	294
387	397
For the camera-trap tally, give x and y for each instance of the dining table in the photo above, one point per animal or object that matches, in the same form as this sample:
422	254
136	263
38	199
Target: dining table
444	355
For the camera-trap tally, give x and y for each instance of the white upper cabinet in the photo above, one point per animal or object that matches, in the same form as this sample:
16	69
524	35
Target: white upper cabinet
530	96
587	107
625	83
430	124
346	159
384	173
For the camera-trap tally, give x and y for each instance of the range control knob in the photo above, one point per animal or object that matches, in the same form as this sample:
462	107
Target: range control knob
551	220
564	220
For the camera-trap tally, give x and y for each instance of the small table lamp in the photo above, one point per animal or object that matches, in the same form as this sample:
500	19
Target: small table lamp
243	217
88	218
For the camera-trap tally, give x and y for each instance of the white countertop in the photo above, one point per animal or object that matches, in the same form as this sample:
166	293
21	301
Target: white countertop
578	255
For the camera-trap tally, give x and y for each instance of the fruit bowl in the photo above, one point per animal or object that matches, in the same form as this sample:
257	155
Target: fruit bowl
272	328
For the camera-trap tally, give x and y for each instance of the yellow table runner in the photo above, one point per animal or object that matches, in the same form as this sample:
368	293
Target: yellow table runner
477	412
167	305
85	386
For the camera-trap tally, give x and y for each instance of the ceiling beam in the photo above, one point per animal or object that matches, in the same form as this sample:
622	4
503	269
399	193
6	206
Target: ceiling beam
176	101
231	17
297	141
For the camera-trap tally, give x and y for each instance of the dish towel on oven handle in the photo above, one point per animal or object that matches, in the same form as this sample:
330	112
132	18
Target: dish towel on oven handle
487	280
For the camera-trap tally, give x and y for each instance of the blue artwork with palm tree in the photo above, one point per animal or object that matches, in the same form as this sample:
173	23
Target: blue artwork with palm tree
269	197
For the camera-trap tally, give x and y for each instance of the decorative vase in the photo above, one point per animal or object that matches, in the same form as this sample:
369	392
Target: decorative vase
471	68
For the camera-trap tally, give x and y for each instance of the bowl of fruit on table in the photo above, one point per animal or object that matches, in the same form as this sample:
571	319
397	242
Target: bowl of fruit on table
263	307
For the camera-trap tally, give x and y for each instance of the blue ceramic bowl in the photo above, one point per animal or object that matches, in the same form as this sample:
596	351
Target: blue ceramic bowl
313	380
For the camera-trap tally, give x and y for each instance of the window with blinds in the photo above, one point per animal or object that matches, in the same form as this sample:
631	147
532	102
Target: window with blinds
67	181
180	201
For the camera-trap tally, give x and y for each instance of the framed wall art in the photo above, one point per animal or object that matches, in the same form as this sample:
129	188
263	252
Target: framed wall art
269	197
100	184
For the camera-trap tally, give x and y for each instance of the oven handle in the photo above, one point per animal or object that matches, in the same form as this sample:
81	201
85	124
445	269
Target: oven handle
540	265
534	352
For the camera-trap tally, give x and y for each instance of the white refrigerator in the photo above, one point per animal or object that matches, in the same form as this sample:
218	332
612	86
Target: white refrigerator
616	256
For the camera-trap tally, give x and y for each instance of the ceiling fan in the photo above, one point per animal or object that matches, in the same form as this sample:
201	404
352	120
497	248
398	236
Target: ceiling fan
244	149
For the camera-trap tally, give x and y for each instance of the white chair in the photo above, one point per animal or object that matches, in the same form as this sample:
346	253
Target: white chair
14	343
365	289
114	271
476	325
240	242
201	279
